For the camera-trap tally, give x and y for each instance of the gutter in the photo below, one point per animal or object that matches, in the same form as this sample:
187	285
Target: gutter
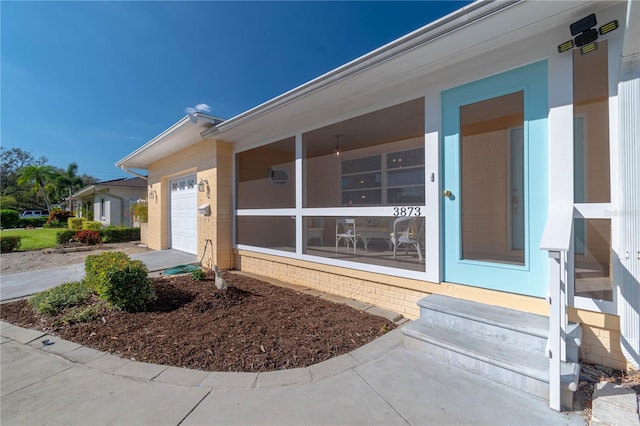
442	27
126	170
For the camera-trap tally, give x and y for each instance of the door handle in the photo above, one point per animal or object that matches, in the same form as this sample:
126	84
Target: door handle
447	193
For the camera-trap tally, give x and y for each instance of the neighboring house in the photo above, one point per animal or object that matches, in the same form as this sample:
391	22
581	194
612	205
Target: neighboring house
111	200
474	158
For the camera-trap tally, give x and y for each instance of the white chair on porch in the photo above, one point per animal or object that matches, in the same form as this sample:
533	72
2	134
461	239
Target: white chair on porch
316	230
407	232
346	231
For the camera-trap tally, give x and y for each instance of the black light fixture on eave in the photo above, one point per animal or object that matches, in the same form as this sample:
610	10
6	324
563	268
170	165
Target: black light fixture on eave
586	34
338	145
584	30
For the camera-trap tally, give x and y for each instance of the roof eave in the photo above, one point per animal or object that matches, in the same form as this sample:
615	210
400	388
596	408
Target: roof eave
430	32
186	121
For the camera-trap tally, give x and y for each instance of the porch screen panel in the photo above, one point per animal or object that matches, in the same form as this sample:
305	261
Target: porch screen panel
394	242
266	176
492	180
376	159
592	181
592	242
272	232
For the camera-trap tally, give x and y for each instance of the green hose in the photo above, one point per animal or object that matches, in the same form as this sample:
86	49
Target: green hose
185	269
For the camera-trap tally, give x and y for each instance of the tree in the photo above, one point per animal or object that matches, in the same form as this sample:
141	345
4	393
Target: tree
11	161
69	180
38	176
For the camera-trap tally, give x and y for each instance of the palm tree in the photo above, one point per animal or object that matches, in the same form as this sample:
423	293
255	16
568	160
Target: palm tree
69	180
37	176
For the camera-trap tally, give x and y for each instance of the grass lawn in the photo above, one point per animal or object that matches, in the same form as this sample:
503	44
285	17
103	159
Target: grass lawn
34	239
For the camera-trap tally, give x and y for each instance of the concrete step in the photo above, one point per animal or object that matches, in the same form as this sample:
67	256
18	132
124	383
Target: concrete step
524	330
505	345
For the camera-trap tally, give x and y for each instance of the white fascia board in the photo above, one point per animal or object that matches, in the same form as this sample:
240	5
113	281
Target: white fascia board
136	160
84	191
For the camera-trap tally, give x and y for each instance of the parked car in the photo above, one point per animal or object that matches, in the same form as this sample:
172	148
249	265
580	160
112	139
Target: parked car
34	213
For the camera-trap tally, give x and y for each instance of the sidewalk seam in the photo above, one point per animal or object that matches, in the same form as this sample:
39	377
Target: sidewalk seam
383	398
194	407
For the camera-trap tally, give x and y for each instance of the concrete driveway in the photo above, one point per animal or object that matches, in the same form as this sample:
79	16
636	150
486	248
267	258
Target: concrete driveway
15	286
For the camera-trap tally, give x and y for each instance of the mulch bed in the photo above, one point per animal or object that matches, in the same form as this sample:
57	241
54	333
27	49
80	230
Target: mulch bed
252	326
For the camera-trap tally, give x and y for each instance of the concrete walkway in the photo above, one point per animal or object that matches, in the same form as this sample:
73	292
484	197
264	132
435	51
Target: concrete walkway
379	383
19	285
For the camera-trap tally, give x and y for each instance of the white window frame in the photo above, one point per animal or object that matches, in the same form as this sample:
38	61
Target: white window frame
430	210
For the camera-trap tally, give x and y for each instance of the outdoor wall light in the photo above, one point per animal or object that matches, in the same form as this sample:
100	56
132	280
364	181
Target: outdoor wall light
203	185
586	34
152	194
338	145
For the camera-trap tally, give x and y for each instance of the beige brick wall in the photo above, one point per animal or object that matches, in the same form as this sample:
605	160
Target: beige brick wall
388	292
601	332
209	160
380	294
600	338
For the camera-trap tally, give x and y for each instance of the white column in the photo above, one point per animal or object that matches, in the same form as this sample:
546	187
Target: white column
299	183
433	225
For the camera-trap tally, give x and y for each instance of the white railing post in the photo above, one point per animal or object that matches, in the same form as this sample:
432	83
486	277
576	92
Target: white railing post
555	318
556	240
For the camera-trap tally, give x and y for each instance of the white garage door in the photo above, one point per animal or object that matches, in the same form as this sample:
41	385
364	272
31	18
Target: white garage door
184	214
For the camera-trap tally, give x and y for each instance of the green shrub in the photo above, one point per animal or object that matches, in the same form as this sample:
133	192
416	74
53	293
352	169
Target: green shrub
79	314
10	243
58	218
60	215
36	222
140	211
129	288
63	237
120	281
120	234
54	224
75	223
91	225
198	275
53	301
9	218
96	264
87	237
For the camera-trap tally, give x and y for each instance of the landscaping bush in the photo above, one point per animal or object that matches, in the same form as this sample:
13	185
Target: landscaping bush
9	218
88	237
54	224
36	222
63	237
119	235
79	314
120	281
54	300
198	275
140	211
58	218
10	243
91	225
75	223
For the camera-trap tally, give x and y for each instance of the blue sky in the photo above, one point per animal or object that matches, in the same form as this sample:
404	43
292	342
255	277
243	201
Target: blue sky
92	81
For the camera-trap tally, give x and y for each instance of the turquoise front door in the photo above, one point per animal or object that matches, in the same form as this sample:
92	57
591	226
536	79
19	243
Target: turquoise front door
495	181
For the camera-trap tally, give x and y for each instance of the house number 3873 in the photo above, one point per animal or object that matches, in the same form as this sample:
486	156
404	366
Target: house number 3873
406	211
